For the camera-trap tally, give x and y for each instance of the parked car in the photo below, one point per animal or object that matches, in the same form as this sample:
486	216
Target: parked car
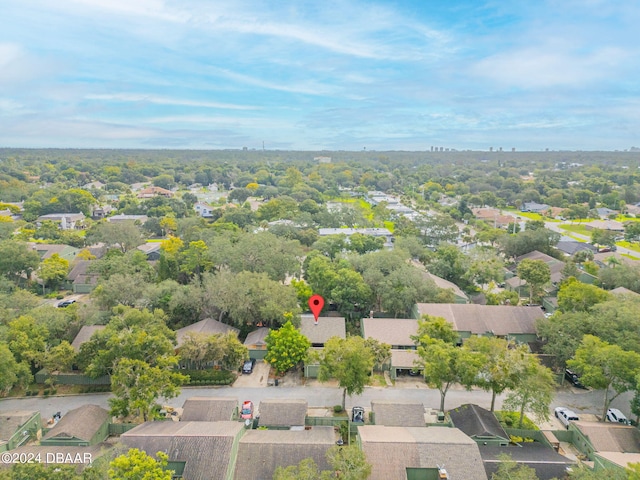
616	416
66	303
573	378
248	366
565	416
247	410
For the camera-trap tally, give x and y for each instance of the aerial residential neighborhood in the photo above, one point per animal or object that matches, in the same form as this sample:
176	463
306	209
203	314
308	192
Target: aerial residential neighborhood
178	329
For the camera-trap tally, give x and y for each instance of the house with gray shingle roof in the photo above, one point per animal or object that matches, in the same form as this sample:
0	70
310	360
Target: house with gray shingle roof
492	320
282	412
209	409
83	426
398	452
403	361
608	445
398	413
208	326
262	451
196	450
84	335
256	343
479	424
396	332
17	427
326	327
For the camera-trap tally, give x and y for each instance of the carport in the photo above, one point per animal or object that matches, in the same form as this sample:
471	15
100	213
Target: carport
402	360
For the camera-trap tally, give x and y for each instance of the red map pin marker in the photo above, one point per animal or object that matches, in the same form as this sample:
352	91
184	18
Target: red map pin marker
316	302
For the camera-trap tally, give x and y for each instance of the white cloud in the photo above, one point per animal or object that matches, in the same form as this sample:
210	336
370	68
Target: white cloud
548	67
159	100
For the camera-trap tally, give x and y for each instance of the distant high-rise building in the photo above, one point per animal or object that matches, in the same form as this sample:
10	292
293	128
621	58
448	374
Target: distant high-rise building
513	149
491	149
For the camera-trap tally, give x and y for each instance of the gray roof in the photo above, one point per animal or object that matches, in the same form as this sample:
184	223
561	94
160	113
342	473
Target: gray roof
257	337
447	285
555	266
394	331
282	412
326	328
206	447
390	450
262	451
476	421
208	409
480	319
571	247
404	358
12	420
82	422
624	291
611	437
85	334
69	453
544	460
208	326
398	413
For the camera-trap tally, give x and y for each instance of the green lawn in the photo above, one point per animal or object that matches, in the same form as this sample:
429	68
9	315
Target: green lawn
576	228
631	246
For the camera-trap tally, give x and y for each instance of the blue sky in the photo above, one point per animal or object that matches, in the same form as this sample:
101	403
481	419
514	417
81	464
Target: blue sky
311	75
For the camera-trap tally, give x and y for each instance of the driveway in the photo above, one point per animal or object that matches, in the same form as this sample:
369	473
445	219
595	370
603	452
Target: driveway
258	378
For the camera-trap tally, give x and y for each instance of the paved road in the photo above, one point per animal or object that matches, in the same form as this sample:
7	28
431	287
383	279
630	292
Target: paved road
578	400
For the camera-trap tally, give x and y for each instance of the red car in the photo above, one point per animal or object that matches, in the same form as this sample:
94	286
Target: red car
247	410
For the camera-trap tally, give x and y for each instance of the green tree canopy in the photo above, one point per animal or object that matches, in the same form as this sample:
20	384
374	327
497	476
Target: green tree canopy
536	273
286	348
349	361
137	465
575	296
533	392
605	367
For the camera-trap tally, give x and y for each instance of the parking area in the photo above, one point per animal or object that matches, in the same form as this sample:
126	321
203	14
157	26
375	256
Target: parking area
258	378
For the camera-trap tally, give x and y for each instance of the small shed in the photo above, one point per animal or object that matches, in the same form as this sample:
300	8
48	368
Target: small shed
83	426
256	344
282	413
398	413
209	409
479	424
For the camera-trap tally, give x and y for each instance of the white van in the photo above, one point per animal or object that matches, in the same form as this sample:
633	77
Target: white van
565	416
616	416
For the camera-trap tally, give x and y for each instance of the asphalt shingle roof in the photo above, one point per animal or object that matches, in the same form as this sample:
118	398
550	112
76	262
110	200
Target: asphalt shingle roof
208	409
262	451
326	328
398	413
282	412
476	421
206	447
390	450
82	422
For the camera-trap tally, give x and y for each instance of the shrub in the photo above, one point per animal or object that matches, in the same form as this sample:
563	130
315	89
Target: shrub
337	408
509	419
46	392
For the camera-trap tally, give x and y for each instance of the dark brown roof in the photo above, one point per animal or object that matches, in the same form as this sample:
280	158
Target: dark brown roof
206	447
398	413
326	328
208	326
262	451
544	460
82	422
208	409
610	437
282	412
476	421
85	334
390	450
481	319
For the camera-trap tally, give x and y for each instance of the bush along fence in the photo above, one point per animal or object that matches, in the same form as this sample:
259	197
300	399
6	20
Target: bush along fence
71	378
209	377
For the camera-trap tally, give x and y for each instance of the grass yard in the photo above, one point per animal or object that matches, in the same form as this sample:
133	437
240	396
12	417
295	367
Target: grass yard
575	228
631	246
